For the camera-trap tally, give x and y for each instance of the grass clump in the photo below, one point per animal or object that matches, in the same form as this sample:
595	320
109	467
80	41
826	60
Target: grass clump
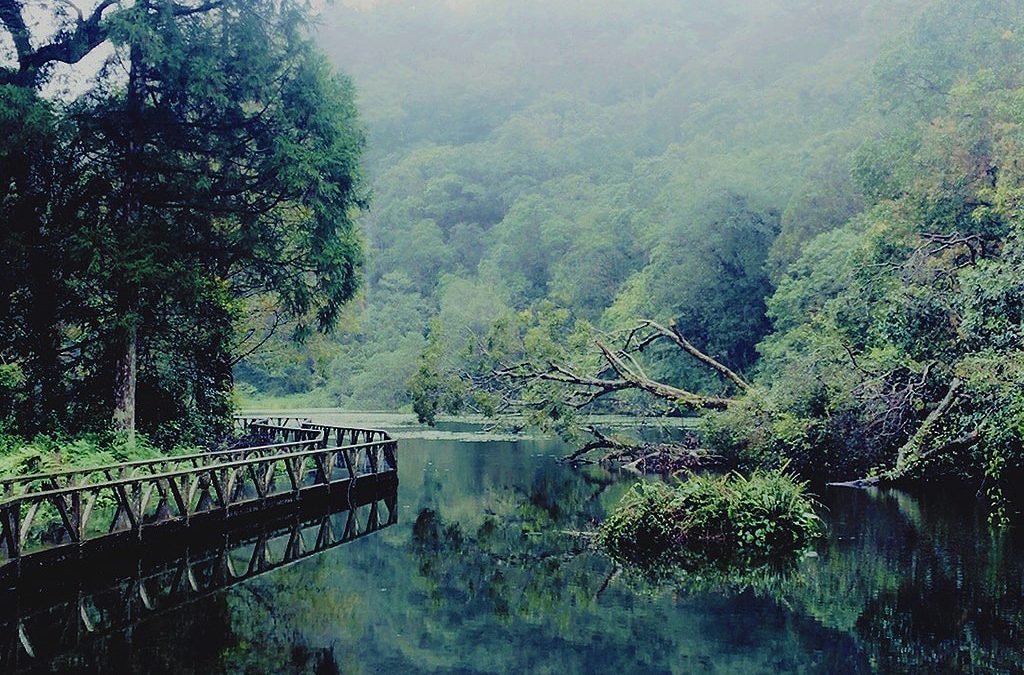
709	520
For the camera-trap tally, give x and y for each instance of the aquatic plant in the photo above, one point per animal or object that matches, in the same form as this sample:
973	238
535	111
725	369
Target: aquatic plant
704	520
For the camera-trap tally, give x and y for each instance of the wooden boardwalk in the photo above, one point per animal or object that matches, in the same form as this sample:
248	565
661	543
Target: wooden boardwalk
56	609
59	514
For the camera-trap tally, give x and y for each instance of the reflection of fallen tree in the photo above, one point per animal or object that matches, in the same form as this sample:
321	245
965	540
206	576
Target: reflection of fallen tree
531	550
510	567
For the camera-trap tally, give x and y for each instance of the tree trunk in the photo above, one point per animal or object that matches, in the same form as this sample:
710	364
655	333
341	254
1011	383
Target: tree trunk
919	446
41	322
214	377
124	382
127	336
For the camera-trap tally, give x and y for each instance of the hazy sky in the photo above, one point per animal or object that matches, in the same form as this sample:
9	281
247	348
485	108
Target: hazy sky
67	81
451	4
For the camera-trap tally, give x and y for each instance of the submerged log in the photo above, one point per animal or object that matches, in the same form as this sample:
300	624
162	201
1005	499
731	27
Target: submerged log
860	483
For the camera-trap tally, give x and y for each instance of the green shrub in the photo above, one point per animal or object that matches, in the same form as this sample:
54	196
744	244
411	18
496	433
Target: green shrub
708	520
742	437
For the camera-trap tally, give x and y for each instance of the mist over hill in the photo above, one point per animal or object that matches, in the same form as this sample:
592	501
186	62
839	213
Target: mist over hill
654	158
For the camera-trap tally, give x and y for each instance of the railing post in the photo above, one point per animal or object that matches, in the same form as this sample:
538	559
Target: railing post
10	530
391	455
76	516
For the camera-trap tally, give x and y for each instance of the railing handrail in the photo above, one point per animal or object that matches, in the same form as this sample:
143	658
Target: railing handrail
141	463
278	427
314	425
275	416
146	462
121	482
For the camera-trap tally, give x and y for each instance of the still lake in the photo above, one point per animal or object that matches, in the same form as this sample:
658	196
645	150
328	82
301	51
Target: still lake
486	571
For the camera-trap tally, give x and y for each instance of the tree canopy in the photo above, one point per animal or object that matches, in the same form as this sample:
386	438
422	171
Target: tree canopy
211	165
581	153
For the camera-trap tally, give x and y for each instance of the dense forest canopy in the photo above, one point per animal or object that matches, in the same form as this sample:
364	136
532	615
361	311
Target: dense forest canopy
820	198
609	157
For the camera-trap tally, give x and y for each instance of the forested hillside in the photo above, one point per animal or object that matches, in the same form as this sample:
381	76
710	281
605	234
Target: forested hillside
818	201
651	158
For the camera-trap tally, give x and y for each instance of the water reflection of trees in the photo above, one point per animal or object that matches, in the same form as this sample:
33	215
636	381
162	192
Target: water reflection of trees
501	580
957	604
528	551
921	584
521	569
916	584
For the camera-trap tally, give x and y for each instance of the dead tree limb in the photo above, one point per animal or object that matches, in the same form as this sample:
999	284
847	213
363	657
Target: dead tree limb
964	442
620	370
595	387
629	374
633	374
672	333
601	441
974	243
636	456
919	445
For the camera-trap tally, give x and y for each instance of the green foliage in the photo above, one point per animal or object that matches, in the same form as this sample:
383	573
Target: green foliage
917	296
462	371
711	521
708	274
642	167
432	392
47	452
148	213
12	381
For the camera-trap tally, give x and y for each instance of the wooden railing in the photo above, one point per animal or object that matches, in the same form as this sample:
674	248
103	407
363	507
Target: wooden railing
243	422
292	428
97	597
339	436
332	435
285	434
40	482
48	512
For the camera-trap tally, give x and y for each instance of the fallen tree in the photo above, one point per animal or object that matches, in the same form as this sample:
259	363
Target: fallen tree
557	388
640	457
552	374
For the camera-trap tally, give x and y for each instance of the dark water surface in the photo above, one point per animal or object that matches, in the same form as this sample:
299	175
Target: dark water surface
485	570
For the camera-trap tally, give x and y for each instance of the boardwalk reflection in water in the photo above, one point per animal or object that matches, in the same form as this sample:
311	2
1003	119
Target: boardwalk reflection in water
50	610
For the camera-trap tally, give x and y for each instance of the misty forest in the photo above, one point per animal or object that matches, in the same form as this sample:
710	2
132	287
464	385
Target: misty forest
650	336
